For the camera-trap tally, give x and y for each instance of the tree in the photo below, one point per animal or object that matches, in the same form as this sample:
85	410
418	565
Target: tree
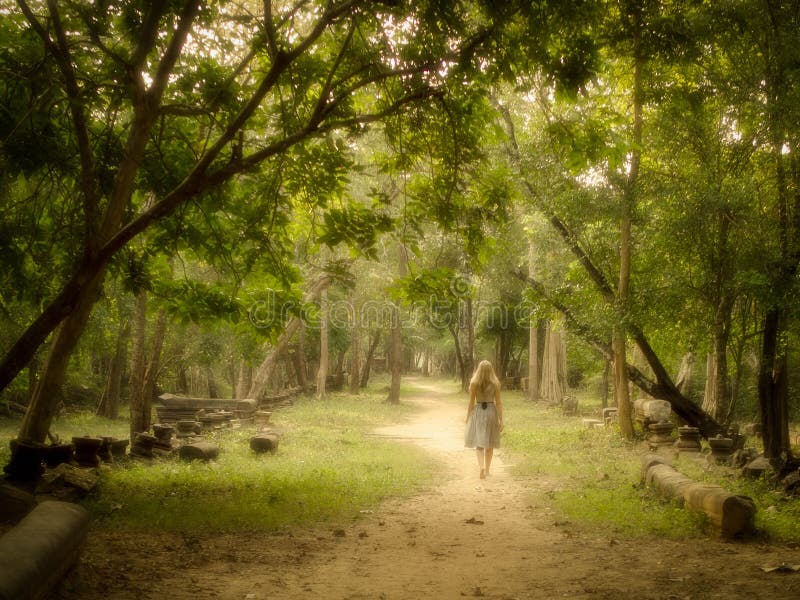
134	122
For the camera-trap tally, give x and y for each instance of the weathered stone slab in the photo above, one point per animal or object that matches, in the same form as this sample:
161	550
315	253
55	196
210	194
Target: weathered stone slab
199	451
14	503
40	549
264	442
730	514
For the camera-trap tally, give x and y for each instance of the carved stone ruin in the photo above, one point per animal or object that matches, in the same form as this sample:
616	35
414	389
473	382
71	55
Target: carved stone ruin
688	439
199	451
721	449
661	435
266	441
143	445
188	428
262	417
86	450
26	462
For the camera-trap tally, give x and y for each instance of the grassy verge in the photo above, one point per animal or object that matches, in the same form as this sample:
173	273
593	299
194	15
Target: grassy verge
65	427
596	479
777	515
325	470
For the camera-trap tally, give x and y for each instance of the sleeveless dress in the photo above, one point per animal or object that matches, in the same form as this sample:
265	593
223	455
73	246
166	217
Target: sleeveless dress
483	428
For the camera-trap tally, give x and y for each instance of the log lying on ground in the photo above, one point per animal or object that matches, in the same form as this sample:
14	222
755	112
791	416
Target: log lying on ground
40	549
731	515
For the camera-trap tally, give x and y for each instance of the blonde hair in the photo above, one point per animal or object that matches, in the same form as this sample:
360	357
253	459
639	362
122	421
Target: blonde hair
484	375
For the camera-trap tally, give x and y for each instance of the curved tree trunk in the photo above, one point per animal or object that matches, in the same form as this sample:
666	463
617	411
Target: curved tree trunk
373	345
44	403
265	370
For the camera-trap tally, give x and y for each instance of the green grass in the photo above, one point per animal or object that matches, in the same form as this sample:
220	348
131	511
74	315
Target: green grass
596	476
65	428
325	470
777	515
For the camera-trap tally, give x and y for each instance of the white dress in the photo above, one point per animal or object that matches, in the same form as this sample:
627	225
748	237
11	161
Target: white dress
483	427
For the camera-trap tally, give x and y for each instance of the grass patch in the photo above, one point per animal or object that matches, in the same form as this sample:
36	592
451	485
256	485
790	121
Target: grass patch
65	427
325	470
596	474
777	515
597	478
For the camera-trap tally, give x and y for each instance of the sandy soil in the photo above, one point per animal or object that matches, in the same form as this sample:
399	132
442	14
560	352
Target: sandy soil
466	538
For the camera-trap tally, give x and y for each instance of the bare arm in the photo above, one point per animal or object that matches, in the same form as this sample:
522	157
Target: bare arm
499	406
471	405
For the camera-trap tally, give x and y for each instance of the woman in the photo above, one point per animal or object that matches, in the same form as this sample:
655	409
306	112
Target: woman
484	415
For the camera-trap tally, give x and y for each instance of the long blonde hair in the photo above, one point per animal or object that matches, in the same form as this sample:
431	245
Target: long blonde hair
484	375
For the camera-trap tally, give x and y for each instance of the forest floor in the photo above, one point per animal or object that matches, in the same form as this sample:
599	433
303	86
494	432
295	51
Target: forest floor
463	538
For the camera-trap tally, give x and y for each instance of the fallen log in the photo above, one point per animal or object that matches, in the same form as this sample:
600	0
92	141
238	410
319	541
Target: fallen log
730	515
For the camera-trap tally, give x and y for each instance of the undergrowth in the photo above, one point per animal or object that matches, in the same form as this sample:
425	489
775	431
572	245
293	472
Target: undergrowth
325	470
592	478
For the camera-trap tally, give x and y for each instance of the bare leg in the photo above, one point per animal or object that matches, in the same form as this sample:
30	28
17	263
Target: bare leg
480	455
489	452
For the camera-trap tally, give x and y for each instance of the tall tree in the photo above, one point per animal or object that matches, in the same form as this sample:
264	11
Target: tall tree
296	72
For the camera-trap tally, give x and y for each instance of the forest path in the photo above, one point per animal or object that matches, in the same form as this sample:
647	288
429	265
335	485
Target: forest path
465	537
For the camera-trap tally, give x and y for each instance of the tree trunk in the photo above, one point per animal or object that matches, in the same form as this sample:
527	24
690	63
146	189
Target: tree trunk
395	357
534	361
710	394
109	401
211	383
144	369
628	200
604	384
553	368
138	366
264	372
338	371
469	349
33	376
533	334
464	376
45	399
373	345
152	369
772	388
244	378
322	373
396	345
355	353
299	363
181	380
685	376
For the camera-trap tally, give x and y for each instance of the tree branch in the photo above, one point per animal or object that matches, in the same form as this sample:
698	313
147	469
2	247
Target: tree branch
59	49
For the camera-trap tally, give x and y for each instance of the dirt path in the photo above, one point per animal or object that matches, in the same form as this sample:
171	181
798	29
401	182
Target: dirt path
466	538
